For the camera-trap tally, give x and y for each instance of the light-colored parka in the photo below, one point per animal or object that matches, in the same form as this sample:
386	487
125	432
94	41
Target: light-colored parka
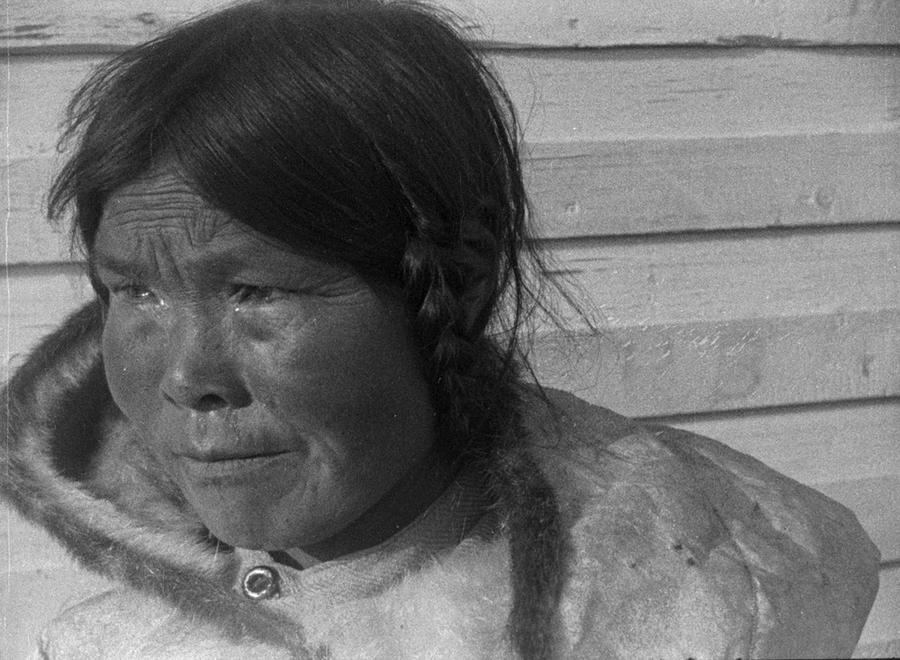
679	547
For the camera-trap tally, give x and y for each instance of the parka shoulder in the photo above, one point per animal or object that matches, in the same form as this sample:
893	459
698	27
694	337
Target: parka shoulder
682	547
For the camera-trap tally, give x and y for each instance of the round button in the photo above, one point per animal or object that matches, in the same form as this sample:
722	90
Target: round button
260	583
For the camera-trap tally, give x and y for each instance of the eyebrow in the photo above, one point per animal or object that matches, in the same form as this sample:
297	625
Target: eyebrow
114	264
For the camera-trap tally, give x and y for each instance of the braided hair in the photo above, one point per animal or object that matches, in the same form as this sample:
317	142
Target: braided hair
370	133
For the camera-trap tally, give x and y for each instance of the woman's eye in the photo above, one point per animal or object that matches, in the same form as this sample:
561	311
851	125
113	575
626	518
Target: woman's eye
135	293
250	293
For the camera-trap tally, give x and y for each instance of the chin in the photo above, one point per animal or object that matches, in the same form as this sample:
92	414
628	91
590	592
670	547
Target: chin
252	534
253	541
256	533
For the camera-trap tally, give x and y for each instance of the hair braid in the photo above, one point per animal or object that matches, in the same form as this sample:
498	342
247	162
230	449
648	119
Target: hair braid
477	390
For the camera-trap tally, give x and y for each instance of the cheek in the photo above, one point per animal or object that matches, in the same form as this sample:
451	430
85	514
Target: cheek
355	375
132	357
329	356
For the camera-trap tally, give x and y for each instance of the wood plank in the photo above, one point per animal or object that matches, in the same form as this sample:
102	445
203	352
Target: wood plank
730	321
620	94
881	636
725	322
882	632
850	451
627	187
643	183
641	186
37	91
602	95
651	370
729	276
546	23
813	444
28	236
33	301
649	22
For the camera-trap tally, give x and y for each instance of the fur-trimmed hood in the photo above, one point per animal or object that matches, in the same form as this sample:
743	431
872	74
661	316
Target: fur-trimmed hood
66	472
678	546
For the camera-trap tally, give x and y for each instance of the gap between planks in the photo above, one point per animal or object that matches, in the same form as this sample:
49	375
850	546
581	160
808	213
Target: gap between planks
542	23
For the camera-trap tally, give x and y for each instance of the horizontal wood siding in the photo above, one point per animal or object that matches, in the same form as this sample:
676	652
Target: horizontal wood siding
728	217
619	142
624	187
880	638
44	24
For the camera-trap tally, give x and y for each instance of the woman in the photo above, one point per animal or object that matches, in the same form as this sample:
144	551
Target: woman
292	425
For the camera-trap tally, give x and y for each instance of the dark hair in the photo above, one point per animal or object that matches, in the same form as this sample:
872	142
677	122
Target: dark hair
370	133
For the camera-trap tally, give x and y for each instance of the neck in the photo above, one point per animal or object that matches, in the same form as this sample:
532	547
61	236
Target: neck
402	504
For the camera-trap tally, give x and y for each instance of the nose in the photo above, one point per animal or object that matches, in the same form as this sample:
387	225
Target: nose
202	371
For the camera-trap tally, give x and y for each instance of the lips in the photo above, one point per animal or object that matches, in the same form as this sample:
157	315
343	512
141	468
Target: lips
217	438
229	456
227	449
221	454
221	469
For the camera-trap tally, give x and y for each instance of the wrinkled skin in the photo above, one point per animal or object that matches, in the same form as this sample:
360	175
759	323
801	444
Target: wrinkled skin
283	394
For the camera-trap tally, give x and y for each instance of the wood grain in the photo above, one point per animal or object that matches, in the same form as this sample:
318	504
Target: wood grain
34	301
733	275
881	636
729	321
627	187
814	444
602	95
622	94
744	363
672	149
544	23
644	186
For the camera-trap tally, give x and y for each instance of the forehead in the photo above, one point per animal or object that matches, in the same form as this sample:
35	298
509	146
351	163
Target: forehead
162	202
158	225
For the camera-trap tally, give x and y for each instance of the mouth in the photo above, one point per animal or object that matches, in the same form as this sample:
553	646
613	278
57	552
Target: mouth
240	468
219	456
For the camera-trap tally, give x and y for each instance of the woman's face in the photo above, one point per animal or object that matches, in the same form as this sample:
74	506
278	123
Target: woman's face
284	395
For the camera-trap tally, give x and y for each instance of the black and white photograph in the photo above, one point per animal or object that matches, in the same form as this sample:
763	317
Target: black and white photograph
450	329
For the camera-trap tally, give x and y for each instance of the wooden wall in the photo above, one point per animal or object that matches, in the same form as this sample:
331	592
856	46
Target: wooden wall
720	180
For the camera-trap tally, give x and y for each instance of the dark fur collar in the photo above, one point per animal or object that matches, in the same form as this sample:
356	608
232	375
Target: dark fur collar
61	426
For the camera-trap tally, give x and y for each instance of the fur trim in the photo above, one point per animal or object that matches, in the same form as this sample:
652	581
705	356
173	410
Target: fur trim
119	516
56	404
